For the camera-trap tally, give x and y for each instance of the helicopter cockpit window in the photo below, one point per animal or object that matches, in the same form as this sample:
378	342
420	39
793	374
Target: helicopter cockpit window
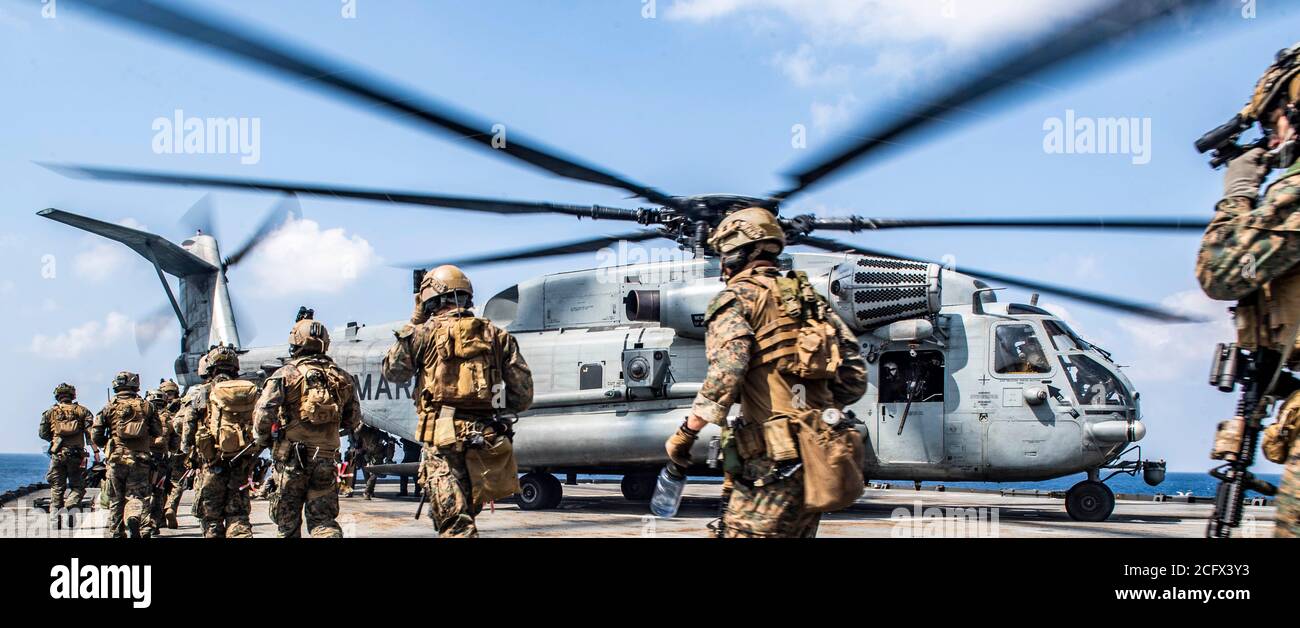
1093	384
904	377
1017	351
1063	338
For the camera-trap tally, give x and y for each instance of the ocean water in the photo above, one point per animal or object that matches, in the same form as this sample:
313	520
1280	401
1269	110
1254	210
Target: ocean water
22	469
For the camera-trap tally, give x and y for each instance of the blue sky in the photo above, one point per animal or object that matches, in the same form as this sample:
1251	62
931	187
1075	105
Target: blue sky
701	98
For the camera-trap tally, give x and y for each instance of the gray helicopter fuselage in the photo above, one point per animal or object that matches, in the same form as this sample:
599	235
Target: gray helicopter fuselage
596	410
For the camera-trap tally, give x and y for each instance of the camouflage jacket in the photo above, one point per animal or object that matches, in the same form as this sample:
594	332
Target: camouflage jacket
106	430
415	352
75	441
282	398
729	345
1248	243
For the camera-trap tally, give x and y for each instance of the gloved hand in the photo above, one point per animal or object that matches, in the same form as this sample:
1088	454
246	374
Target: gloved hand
679	445
1245	174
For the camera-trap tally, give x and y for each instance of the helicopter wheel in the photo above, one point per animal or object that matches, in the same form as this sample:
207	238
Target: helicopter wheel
539	491
1089	500
639	487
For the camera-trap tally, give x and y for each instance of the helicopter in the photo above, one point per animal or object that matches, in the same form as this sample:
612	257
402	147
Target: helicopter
961	387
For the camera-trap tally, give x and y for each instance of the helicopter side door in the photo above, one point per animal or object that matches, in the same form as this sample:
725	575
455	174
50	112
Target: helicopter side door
909	411
1027	438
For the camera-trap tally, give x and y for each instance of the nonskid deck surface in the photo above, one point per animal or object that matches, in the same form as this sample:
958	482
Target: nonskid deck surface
600	510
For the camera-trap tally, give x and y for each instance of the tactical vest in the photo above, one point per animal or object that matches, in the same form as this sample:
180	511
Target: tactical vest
128	417
464	371
67	422
794	345
227	430
314	403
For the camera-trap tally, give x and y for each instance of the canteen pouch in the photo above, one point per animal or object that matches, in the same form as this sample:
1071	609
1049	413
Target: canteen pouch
730	451
780	444
1227	440
444	429
1276	441
832	464
493	473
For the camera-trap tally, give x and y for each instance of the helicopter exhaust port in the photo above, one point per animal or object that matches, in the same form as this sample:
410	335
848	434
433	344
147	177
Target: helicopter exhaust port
678	305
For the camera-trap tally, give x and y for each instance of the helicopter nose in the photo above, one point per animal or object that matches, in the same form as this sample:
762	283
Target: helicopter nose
1117	431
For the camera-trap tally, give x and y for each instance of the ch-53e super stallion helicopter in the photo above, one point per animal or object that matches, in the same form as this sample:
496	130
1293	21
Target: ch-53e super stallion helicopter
962	387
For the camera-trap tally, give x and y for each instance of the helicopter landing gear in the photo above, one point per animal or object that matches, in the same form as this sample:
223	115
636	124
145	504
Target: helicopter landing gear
1089	500
539	491
639	487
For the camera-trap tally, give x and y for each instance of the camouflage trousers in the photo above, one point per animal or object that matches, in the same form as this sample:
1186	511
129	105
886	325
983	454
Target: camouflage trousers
308	488
129	494
446	482
1288	497
67	474
176	487
769	511
224	504
157	496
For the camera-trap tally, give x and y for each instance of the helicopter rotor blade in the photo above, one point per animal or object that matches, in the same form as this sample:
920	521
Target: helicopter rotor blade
1100	300
198	218
1112	21
244	43
285	210
565	248
479	204
860	223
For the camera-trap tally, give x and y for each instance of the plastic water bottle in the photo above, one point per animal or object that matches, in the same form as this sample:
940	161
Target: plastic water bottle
668	491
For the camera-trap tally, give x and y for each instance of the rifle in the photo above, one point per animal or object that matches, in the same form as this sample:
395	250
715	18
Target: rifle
1256	372
420	508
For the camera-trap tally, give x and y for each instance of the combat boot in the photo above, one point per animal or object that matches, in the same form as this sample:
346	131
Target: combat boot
172	523
133	528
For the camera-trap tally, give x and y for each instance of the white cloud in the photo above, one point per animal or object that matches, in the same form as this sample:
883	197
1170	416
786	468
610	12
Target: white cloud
955	23
104	258
302	258
803	67
907	37
88	337
826	116
1169	352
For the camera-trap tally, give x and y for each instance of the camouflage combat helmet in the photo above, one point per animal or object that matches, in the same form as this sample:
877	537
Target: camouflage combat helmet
219	359
65	390
309	337
156	398
1281	79
126	380
169	388
747	226
443	280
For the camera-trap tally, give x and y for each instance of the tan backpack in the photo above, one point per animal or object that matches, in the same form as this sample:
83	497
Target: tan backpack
129	422
800	339
467	371
230	415
66	421
322	397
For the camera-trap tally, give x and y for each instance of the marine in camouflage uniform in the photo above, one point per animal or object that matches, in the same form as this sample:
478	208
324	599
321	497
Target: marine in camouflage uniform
767	496
177	460
445	299
304	408
221	501
160	452
1250	250
67	449
126	427
371	446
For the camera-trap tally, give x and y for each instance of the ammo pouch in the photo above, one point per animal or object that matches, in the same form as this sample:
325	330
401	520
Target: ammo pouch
798	339
772	438
1277	439
493	473
832	463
